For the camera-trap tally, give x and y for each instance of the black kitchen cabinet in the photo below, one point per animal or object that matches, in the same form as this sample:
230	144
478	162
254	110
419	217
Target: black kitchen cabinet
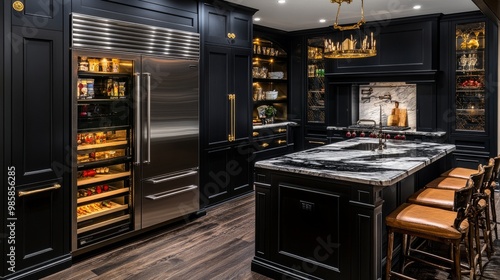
227	85
227	174
225	101
34	15
226	25
174	14
36	146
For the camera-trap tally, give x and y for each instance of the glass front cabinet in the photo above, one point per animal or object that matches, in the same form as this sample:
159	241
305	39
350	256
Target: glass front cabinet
315	100
473	90
470	83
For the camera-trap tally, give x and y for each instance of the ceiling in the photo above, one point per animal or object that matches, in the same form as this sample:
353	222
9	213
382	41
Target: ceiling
305	14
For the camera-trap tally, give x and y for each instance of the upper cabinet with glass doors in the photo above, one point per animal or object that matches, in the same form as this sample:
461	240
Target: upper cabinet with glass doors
315	100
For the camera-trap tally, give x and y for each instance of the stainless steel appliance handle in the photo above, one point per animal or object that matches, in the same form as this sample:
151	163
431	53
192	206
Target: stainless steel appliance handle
171	193
148	112
137	105
25	193
170	178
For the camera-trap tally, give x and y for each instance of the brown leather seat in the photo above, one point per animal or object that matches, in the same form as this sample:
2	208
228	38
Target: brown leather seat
459	172
451	183
430	223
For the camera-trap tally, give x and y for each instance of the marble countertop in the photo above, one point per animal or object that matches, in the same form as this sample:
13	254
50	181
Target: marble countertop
406	132
343	161
280	124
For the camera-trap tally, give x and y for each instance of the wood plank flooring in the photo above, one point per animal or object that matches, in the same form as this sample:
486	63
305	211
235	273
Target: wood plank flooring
218	246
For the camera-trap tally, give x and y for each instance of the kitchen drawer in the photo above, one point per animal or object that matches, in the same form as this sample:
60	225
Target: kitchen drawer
168	197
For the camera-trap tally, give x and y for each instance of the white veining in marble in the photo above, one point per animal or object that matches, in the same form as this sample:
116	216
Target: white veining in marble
406	132
343	161
405	94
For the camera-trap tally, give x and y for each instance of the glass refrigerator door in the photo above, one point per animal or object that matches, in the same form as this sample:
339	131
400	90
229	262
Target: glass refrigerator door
103	86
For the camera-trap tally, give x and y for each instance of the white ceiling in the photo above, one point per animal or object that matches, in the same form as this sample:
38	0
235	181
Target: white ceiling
305	14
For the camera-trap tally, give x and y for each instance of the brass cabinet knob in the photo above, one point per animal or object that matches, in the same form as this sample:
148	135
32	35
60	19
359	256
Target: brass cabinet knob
18	6
255	133
231	35
265	145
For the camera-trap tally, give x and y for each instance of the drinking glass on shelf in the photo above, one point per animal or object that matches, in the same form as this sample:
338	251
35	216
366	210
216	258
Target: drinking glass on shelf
462	62
472	61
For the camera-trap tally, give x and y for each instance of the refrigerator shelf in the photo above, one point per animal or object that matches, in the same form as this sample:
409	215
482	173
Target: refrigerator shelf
102	224
102	178
114	207
90	74
102	163
110	144
109	193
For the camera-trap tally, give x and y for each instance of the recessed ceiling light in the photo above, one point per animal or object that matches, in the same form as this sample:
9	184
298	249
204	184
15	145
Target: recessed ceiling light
417	7
256	19
282	1
322	20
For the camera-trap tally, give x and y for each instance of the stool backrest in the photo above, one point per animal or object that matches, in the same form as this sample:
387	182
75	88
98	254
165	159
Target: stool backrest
488	172
477	178
462	201
496	168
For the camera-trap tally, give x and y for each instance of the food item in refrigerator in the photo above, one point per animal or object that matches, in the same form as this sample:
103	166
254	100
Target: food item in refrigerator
81	85
115	88
93	207
83	64
90	88
102	170
109	87
93	64
92	190
103	65
121	88
88	173
116	65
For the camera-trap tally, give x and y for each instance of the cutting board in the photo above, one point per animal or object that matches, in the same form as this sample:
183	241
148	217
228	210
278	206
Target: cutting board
398	117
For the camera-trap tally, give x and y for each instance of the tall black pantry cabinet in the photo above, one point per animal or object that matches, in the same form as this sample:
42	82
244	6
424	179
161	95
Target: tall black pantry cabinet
35	193
226	101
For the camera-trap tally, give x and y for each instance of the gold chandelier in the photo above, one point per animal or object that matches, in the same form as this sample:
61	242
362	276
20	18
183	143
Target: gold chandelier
349	48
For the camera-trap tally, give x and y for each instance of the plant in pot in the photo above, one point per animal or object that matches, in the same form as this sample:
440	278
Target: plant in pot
270	113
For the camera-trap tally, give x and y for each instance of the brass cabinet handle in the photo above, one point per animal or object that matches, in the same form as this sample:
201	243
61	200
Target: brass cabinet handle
281	142
317	142
25	193
255	133
232	112
281	130
265	145
18	6
231	35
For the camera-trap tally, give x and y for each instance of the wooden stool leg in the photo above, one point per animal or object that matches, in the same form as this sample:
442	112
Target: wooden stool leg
456	258
470	253
493	213
390	246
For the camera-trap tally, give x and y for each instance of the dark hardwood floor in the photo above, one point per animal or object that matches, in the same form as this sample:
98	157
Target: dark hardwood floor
218	246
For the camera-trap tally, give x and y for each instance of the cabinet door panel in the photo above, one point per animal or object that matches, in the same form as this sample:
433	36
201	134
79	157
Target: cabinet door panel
37	106
241	26
216	25
46	14
217	179
39	226
242	82
217	87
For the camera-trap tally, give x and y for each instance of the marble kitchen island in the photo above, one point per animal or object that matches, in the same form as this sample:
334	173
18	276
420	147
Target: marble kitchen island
320	212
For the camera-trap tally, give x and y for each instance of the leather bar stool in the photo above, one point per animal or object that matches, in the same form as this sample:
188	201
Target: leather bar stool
452	183
444	199
490	190
430	223
460	172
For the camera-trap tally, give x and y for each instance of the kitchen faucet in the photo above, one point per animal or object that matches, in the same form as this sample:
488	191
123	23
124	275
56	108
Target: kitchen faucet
381	136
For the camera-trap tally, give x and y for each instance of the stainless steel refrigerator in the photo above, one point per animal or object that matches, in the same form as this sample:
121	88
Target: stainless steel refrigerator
135	127
167	132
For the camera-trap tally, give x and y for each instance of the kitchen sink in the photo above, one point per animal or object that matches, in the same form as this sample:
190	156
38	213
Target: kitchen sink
363	147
